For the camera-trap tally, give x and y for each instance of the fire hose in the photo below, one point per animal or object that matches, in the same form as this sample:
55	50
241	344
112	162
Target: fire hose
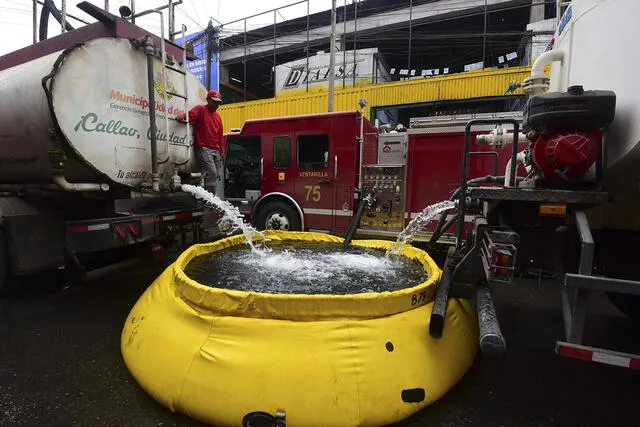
49	7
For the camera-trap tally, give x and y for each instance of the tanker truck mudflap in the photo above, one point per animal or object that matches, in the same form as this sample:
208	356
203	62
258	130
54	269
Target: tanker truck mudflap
34	239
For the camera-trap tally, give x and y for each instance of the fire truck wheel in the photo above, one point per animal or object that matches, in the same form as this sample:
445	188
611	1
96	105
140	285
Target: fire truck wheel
278	215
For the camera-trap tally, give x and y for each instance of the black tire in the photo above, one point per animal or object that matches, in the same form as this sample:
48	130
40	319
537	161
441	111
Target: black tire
7	283
628	304
277	215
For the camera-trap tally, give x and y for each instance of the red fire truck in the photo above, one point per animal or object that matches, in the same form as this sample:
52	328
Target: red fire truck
309	172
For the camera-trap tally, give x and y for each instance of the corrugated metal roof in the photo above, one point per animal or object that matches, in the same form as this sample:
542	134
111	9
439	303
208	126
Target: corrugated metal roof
473	84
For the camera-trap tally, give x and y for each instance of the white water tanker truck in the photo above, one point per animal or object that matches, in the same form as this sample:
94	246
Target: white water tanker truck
91	156
580	200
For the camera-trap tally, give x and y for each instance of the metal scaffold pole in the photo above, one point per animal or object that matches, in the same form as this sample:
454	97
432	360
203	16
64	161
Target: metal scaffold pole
332	53
244	63
209	47
307	49
484	37
355	36
274	53
410	30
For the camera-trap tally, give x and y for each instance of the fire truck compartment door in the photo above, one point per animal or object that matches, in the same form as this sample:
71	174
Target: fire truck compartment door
315	182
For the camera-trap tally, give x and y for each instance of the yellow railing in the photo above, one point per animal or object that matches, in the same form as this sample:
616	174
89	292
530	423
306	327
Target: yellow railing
473	84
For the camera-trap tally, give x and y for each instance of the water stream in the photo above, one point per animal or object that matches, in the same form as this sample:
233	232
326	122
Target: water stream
308	268
231	213
418	224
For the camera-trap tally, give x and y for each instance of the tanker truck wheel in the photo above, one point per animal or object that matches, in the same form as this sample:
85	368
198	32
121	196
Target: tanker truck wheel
278	215
6	279
628	304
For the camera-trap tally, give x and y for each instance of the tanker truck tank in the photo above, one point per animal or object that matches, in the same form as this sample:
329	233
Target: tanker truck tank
595	48
81	115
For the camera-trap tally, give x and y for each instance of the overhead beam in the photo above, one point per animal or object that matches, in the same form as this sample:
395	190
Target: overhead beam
436	11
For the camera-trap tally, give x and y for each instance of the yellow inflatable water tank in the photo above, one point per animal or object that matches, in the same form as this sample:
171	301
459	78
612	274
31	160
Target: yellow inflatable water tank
327	360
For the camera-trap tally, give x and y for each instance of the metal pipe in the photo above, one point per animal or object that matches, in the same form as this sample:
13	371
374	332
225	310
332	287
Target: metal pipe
543	60
163	50
64	15
106	5
132	4
514	155
184	64
35	21
155	178
62	182
332	53
586	243
361	140
146	12
520	159
538	82
465	164
267	11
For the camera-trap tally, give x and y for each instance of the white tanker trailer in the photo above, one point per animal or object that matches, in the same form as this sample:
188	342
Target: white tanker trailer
579	205
81	169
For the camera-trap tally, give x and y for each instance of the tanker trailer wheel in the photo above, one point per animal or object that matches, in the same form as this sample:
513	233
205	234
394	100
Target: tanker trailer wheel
620	264
278	215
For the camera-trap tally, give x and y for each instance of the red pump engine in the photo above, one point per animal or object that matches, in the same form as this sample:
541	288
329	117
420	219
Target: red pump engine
566	130
566	153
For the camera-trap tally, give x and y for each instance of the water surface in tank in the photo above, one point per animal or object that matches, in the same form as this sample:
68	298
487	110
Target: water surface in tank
306	268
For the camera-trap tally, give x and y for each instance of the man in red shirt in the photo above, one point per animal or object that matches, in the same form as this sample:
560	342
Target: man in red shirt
208	141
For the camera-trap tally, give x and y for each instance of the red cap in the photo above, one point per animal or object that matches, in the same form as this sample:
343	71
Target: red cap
214	95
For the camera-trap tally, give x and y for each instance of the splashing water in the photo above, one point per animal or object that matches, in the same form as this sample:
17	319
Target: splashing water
417	224
231	213
306	268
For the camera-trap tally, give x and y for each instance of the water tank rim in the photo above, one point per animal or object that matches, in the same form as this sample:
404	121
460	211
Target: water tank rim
299	306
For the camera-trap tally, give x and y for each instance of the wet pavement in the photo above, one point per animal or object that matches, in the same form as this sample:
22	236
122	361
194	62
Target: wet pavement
60	364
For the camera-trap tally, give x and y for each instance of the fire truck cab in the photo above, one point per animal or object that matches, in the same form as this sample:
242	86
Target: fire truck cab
309	172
